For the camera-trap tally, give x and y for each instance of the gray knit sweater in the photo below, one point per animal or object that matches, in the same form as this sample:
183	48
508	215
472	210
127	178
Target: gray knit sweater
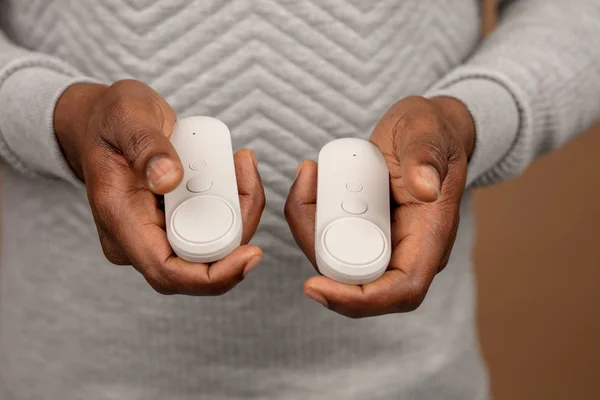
287	76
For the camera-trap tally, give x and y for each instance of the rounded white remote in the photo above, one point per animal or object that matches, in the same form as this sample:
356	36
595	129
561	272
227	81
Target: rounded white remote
352	233
203	217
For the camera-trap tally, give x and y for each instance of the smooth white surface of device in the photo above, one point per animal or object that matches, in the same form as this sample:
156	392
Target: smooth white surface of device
352	233
203	217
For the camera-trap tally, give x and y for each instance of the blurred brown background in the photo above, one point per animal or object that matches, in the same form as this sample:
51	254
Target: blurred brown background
538	266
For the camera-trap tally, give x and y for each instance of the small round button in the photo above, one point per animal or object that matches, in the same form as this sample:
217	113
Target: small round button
354	241
198	165
199	184
354	186
354	206
202	219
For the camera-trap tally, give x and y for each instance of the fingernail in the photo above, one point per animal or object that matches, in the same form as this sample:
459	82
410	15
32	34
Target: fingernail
298	170
430	178
316	296
159	168
251	264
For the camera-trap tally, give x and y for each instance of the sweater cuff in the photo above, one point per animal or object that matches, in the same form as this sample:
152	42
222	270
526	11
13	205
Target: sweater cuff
28	97
497	119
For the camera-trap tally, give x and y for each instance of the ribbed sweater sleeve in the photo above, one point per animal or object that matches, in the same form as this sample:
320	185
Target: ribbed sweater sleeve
531	86
30	85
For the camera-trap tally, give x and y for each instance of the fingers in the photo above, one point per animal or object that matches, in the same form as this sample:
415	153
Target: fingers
129	160
137	124
131	219
251	192
419	147
148	151
112	251
425	234
300	208
168	274
131	228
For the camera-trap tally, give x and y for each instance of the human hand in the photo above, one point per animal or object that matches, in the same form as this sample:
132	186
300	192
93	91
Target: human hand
426	144
116	139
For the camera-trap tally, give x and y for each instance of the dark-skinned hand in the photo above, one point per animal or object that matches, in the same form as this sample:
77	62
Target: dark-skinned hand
116	139
426	144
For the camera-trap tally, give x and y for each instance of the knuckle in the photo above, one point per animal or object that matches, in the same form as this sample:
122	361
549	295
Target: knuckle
158	276
444	262
293	206
123	84
111	252
161	288
103	209
114	256
288	211
415	295
260	198
261	202
163	109
161	284
292	211
218	289
419	102
117	111
354	314
449	245
424	118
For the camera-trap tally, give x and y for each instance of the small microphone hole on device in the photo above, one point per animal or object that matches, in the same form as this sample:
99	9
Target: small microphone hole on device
193	133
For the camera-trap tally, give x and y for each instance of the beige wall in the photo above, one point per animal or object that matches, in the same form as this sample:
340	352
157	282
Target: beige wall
538	266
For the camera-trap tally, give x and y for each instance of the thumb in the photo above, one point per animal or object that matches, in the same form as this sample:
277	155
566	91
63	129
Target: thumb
163	170
423	158
145	145
417	149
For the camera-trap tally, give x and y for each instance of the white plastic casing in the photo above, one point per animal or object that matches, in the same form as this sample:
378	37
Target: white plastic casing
203	217
353	233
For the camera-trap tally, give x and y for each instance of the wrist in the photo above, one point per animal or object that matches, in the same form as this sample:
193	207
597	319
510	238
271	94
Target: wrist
460	120
71	114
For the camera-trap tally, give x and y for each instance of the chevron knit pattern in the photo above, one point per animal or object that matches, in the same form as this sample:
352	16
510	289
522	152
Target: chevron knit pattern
286	76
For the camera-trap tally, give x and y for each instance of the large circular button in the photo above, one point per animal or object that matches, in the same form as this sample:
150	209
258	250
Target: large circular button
202	219
354	241
354	206
354	186
199	184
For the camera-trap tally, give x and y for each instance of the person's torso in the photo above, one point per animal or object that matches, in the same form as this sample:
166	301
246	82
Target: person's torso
287	77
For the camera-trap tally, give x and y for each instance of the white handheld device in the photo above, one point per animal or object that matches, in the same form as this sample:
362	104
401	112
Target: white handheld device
353	233
203	217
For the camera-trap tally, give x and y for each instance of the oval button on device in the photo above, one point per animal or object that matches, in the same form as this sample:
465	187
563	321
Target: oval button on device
354	241
354	186
203	219
198	165
354	206
199	184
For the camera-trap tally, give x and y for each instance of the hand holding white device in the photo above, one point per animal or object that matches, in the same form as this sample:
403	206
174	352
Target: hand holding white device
203	216
353	231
